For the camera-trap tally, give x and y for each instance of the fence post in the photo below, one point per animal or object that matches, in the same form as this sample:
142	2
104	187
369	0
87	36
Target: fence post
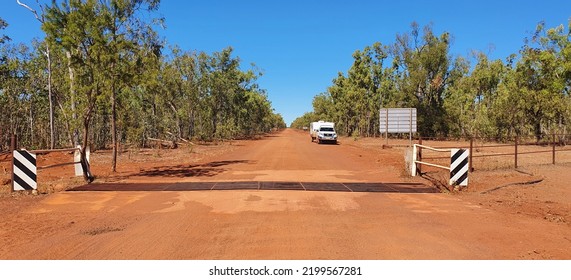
515	160
13	145
470	168
553	151
418	167
413	163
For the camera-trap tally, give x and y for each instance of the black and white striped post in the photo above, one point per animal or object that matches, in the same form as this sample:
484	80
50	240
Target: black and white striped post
459	167
24	170
459	164
77	159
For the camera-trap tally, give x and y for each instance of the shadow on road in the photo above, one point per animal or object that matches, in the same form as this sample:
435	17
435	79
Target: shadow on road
190	170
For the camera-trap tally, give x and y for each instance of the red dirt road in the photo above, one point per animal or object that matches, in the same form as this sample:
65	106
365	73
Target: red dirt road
274	224
287	156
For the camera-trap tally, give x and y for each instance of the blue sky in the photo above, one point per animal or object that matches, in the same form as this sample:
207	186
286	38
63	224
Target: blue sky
301	45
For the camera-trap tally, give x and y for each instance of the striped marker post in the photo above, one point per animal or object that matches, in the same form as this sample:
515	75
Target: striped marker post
459	167
77	160
24	164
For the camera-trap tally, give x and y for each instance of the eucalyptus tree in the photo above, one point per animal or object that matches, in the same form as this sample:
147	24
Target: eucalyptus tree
540	76
555	56
123	30
182	80
304	120
423	68
360	90
3	76
41	18
144	106
342	106
323	107
77	28
223	86
355	99
100	39
16	98
461	101
252	109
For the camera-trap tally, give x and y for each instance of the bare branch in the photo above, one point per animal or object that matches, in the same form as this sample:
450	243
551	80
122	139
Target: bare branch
40	19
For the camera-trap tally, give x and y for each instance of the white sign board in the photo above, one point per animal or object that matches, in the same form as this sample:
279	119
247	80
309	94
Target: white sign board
398	120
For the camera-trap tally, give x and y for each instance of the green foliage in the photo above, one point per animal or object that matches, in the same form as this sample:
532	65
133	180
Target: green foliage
3	38
208	97
304	120
494	99
112	83
353	101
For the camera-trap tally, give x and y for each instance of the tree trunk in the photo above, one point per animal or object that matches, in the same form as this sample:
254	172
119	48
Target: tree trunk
191	124
177	119
31	123
214	123
84	163
114	128
66	123
369	124
537	130
50	97
75	133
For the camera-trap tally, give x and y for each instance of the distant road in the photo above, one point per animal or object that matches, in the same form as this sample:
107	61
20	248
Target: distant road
291	156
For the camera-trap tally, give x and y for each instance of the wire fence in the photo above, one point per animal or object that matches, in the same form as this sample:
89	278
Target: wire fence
489	155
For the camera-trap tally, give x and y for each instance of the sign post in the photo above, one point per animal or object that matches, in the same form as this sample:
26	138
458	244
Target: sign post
397	120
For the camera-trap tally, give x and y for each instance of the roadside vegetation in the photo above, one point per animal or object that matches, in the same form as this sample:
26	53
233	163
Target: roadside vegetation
525	94
102	76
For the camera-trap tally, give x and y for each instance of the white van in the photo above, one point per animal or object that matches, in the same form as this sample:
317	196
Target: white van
323	132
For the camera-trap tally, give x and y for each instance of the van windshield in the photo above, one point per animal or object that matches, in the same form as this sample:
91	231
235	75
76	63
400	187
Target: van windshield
326	129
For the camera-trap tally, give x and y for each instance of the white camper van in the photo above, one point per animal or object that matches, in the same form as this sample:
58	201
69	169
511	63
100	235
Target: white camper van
322	132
